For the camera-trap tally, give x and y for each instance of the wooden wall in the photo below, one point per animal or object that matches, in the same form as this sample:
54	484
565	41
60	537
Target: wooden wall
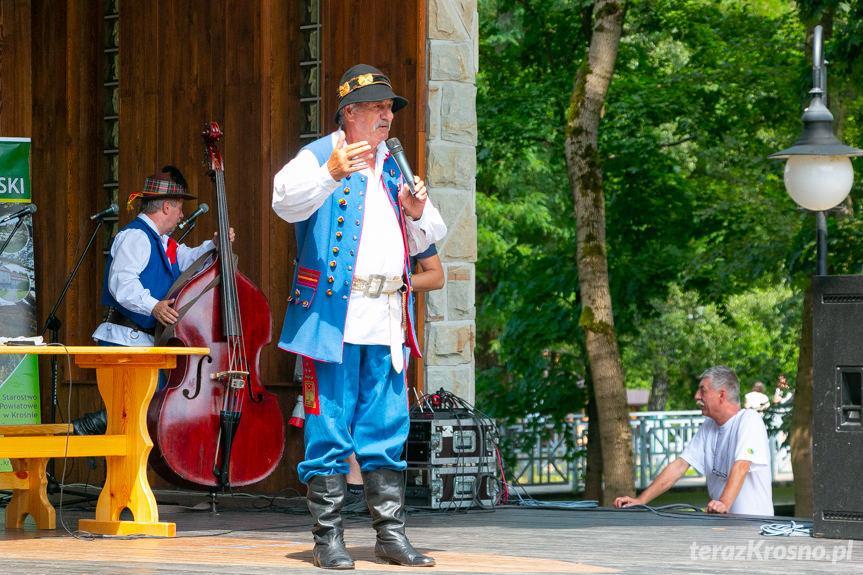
390	36
183	63
15	64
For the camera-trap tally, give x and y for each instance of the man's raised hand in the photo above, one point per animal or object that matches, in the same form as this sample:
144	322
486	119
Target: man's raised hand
348	158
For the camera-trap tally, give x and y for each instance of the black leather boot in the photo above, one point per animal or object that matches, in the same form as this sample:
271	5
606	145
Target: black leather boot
326	495
93	423
385	492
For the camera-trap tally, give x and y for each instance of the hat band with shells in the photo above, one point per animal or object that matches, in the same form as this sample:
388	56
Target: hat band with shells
361	81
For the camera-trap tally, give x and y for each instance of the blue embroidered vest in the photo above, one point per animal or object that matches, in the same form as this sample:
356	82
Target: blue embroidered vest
326	246
157	276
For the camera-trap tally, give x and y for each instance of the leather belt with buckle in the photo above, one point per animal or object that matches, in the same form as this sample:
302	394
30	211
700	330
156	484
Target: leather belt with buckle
115	317
377	284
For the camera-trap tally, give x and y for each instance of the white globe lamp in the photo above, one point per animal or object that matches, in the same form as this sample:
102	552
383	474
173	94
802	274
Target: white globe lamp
818	183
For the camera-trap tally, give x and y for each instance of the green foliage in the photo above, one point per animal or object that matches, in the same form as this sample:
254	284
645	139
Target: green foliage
529	350
695	107
766	327
707	253
539	349
679	336
755	333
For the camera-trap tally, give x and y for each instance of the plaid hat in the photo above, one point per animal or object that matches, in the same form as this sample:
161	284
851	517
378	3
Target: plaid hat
364	83
166	185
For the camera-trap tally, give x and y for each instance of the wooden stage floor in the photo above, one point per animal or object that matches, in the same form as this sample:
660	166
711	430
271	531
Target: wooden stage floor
257	535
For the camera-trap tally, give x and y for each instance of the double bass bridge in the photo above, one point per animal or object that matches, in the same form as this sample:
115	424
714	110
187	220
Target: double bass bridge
236	379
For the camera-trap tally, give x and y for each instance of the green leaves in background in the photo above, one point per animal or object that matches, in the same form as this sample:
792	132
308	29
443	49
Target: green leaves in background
707	253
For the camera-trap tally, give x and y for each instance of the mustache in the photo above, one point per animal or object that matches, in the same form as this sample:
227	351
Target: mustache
699	403
382	124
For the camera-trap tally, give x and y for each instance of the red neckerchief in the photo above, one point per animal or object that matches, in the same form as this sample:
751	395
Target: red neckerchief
172	251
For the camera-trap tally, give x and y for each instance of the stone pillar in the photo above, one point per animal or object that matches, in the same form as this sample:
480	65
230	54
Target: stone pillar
453	59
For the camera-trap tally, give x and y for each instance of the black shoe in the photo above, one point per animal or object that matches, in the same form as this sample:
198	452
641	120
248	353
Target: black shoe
385	492
93	423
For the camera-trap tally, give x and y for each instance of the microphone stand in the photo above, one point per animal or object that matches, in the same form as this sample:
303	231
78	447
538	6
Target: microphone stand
9	237
53	323
187	230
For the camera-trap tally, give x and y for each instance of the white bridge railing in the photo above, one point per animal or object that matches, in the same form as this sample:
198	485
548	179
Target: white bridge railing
658	438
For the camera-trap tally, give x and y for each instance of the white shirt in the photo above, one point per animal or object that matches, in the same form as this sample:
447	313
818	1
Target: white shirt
715	449
380	251
302	186
131	254
756	400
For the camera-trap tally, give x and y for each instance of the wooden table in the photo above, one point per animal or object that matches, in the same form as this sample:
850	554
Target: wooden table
127	378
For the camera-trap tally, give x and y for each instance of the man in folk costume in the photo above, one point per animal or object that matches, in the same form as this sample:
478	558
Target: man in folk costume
143	264
350	312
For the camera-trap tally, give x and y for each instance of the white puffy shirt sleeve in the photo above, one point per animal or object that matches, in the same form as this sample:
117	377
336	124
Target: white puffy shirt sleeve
186	256
426	230
301	187
130	252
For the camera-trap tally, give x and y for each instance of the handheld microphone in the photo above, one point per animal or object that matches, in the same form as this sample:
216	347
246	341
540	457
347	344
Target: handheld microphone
30	209
202	209
112	210
398	153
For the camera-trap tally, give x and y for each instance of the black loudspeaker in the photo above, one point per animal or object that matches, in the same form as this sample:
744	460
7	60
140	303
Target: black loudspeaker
837	433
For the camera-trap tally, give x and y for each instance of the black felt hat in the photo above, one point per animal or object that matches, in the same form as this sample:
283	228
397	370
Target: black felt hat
364	83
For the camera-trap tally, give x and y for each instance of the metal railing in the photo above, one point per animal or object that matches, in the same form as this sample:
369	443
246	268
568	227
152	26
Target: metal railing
658	438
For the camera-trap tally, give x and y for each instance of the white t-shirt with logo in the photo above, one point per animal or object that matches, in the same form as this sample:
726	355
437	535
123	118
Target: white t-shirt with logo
715	449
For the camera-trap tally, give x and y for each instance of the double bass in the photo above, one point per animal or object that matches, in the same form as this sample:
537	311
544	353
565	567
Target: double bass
214	425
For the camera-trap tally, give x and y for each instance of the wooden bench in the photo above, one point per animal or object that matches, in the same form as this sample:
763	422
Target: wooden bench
29	447
28	480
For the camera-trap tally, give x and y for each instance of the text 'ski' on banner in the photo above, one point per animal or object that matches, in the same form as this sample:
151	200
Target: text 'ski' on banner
19	373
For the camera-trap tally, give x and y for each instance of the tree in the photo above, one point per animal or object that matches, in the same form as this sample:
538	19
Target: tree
755	333
584	171
801	419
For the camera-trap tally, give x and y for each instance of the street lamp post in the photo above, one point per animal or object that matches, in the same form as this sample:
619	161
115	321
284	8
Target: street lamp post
818	173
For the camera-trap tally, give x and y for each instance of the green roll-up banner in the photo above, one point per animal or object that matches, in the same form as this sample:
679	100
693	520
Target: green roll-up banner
19	374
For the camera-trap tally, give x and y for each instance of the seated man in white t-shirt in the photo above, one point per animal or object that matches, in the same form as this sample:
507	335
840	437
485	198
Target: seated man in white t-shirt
730	450
756	399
